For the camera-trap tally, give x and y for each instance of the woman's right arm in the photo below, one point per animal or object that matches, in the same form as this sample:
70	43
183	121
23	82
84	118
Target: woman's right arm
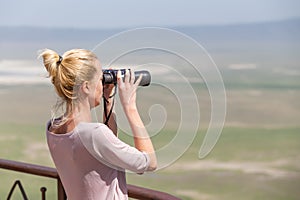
127	93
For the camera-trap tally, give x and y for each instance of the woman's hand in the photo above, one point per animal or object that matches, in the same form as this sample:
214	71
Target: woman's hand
108	90
127	89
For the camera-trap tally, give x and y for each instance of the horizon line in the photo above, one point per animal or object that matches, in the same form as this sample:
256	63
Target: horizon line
162	26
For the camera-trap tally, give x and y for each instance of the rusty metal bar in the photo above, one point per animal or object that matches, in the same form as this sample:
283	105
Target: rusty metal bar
133	191
148	194
28	168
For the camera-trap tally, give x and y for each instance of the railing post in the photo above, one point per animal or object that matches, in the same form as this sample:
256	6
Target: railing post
43	191
61	195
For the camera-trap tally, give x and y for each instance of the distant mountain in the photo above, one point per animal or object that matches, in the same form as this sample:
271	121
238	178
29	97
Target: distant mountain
266	31
23	42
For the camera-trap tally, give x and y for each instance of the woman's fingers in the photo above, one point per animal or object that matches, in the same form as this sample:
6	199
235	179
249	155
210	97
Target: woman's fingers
132	77
119	78
127	88
127	76
137	82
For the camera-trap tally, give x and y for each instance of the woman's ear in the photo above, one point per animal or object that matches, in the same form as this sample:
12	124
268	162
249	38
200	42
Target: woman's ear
85	87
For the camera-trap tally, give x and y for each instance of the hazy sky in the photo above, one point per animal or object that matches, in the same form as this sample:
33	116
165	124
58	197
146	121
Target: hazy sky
136	13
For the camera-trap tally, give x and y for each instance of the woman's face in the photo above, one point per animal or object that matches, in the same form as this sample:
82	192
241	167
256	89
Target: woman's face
97	88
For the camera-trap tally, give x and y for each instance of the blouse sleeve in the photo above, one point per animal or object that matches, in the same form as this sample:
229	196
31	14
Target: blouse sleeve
110	150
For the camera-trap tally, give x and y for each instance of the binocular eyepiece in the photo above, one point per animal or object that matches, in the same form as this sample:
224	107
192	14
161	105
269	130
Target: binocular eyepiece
110	76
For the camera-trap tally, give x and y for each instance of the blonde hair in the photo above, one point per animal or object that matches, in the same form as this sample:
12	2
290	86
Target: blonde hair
68	72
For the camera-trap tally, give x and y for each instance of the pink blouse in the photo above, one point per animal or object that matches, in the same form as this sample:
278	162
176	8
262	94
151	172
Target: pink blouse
91	162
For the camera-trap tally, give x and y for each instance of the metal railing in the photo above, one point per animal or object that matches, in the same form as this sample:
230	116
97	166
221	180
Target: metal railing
135	192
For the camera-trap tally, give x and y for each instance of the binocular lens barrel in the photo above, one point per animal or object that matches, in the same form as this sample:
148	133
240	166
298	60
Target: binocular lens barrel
110	76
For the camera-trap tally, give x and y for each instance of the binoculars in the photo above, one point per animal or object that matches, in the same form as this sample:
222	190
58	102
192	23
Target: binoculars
110	76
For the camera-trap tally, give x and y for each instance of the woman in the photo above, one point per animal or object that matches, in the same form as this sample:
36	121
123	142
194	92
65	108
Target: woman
89	157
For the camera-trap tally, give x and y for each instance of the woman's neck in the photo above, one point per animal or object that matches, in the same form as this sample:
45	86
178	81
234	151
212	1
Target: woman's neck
79	113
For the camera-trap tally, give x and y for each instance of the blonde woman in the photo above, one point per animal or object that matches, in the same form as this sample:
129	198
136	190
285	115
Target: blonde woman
90	159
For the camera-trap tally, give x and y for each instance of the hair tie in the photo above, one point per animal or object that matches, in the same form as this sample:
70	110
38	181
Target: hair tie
59	60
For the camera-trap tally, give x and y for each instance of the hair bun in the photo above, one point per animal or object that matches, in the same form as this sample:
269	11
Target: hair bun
51	61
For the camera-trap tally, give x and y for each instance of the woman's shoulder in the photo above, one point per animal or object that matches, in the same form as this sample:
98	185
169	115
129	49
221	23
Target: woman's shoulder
91	126
96	132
